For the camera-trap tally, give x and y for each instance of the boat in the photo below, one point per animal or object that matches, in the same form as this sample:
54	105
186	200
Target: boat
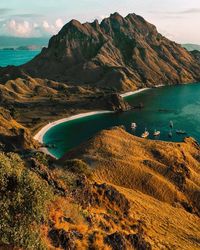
181	132
171	124
170	134
156	133
133	125
145	134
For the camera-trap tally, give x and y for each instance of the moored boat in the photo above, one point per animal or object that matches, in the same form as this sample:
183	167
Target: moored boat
171	124
145	134
170	134
133	125
181	132
156	133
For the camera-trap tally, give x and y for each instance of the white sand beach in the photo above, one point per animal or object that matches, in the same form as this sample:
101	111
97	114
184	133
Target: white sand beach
133	92
41	133
39	136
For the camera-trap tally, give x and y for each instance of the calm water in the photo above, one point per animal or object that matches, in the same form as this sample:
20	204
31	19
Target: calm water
16	57
181	104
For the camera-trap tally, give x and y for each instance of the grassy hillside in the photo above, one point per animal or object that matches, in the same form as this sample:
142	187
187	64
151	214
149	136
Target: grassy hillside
114	191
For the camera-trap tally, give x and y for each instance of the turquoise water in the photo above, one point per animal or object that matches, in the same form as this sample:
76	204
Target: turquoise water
181	104
16	57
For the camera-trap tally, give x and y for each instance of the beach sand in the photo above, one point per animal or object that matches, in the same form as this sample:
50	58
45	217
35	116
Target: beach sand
39	136
133	92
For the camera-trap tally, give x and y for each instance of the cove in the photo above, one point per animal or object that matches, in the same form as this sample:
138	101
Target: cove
180	103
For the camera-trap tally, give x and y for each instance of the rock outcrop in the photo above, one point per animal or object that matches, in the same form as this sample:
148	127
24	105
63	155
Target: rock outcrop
13	136
196	54
114	102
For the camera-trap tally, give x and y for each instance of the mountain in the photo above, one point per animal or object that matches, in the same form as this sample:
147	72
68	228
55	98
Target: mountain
124	53
196	54
191	47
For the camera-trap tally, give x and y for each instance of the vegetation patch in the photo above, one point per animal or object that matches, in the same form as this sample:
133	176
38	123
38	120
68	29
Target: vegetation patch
23	204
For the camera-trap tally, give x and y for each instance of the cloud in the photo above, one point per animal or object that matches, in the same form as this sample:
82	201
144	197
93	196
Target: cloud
31	15
183	12
59	23
101	17
190	11
30	28
19	28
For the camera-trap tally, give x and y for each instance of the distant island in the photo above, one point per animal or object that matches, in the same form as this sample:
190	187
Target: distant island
191	47
22	43
25	47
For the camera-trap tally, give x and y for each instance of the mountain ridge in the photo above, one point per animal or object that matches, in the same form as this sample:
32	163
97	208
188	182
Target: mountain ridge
126	53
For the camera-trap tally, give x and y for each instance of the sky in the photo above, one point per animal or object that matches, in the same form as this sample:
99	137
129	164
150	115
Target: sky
177	19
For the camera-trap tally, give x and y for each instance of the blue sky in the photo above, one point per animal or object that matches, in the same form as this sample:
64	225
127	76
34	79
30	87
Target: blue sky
177	19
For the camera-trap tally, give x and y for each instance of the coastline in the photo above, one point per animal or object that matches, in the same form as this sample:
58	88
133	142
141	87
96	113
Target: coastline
39	136
133	92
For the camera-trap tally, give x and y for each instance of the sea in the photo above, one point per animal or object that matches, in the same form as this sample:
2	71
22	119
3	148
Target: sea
16	57
179	104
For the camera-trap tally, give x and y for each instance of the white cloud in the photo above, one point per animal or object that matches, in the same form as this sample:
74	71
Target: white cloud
29	28
59	23
100	17
45	25
19	28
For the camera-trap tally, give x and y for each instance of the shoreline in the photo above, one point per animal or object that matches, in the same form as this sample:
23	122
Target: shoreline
39	135
133	92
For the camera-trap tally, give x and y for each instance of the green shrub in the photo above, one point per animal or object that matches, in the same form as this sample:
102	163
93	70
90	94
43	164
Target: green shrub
42	158
23	200
78	167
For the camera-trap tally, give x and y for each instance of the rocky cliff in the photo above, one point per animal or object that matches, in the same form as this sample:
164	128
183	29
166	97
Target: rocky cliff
196	54
121	53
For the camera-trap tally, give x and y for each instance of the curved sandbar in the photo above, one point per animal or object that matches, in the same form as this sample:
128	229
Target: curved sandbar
42	132
39	136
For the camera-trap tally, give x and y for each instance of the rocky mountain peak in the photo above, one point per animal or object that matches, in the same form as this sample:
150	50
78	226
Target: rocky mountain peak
121	52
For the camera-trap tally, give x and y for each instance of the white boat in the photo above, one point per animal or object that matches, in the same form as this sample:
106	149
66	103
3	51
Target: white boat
133	125
145	134
170	134
171	124
156	133
181	132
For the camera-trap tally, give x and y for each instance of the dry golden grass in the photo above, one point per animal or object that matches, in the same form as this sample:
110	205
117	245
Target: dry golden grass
161	179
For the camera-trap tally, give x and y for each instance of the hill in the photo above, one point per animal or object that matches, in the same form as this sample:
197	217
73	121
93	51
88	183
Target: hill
124	53
161	179
116	191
